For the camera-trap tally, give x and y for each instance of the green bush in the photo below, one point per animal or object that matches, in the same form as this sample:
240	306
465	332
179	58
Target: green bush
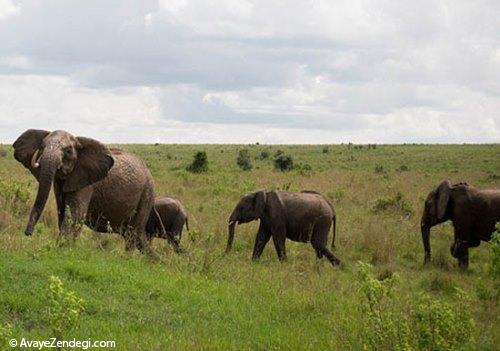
443	326
385	326
64	308
243	160
394	203
264	155
283	163
199	164
325	150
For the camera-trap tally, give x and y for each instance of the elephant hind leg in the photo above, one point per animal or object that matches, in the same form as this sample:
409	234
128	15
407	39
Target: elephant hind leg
319	240
136	233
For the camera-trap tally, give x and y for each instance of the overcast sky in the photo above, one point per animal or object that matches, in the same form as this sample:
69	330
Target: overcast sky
244	71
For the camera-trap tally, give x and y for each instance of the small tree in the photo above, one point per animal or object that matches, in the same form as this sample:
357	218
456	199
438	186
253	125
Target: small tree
283	162
243	160
200	163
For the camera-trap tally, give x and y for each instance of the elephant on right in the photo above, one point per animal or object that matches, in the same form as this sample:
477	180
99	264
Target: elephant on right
474	213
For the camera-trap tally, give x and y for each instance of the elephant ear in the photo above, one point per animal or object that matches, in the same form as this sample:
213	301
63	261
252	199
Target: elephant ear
26	145
276	212
443	196
93	163
259	203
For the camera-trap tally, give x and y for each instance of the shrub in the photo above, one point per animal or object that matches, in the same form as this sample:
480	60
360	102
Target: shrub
243	160
264	155
495	252
395	203
441	325
325	150
3	152
283	163
403	168
200	163
64	308
385	326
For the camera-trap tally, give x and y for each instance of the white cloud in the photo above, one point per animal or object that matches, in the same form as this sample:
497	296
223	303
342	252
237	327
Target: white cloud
8	8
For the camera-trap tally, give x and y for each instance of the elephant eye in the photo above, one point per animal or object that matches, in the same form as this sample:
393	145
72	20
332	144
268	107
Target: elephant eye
68	152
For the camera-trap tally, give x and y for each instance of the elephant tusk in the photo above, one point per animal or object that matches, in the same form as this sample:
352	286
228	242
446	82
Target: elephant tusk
34	161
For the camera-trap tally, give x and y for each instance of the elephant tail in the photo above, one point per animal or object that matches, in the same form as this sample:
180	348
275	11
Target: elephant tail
334	229
187	224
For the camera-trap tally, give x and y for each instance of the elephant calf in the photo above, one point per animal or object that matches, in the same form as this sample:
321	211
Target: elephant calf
474	213
172	215
304	217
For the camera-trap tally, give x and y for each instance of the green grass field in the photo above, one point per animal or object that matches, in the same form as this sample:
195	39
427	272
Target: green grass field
206	300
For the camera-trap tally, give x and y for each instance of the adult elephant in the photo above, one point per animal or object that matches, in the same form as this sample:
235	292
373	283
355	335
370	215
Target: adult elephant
304	217
474	213
109	190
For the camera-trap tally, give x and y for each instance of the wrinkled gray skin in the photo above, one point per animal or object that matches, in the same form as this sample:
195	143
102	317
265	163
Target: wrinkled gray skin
474	213
304	217
106	189
172	215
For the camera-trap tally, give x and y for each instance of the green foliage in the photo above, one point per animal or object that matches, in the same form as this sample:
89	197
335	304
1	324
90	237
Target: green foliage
243	160
200	163
394	203
325	150
283	163
495	252
444	326
385	326
63	309
264	155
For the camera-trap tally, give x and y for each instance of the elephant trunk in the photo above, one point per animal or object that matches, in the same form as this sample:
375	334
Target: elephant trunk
230	236
49	164
426	231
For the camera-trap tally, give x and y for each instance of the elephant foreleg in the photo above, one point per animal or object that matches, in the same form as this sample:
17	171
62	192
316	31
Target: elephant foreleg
460	247
73	220
261	241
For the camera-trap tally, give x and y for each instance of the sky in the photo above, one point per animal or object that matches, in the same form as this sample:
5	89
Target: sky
246	71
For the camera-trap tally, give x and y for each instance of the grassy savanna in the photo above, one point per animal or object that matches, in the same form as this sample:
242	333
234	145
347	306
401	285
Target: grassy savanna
206	300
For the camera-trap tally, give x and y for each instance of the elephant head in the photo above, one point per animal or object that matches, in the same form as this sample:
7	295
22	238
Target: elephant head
74	162
249	208
435	212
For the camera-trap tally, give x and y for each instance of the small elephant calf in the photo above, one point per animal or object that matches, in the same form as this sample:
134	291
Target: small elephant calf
172	215
304	217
